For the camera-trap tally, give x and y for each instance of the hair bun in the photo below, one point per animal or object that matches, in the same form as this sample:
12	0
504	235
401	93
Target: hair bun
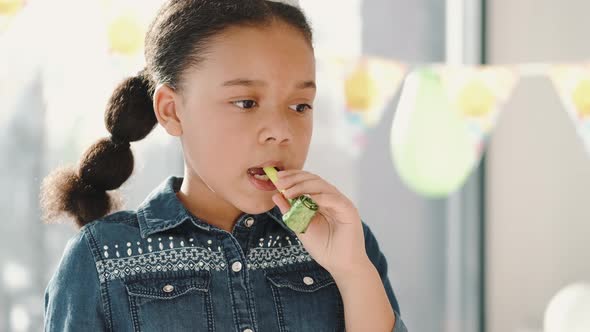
64	192
106	165
130	114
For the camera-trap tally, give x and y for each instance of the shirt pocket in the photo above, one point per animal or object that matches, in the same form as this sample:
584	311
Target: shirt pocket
171	303
307	301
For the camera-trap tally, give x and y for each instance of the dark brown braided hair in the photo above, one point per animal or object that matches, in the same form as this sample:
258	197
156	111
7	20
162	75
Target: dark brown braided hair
176	40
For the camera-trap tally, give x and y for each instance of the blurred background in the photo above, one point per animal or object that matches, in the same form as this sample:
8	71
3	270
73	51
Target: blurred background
460	128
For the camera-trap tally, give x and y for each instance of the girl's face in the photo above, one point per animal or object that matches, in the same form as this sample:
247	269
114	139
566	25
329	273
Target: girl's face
248	104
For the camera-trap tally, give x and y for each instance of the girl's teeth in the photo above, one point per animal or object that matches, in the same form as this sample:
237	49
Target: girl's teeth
261	177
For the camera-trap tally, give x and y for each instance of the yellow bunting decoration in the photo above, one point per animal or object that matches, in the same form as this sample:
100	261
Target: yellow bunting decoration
572	83
369	84
126	34
360	89
475	99
581	97
125	26
8	10
478	93
10	7
354	94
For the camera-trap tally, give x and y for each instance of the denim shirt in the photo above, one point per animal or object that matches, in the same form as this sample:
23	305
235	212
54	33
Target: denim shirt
162	269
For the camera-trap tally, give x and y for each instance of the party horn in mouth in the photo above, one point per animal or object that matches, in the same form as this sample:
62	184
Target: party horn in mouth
303	208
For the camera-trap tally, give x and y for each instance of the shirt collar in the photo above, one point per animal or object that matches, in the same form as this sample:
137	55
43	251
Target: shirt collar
162	210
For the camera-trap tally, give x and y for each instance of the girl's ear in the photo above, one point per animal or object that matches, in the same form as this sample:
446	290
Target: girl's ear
166	107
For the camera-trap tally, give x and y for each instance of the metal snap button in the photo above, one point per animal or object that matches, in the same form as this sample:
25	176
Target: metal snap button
236	267
308	281
249	222
168	288
248	330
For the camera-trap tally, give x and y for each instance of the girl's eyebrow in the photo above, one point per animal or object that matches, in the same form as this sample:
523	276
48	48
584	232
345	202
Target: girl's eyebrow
252	83
306	85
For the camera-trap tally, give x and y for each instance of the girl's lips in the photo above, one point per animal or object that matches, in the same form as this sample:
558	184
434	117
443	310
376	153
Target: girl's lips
261	184
278	165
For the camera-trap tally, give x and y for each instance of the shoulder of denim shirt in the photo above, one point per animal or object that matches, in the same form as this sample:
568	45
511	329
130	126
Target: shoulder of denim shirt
160	210
72	297
116	227
124	218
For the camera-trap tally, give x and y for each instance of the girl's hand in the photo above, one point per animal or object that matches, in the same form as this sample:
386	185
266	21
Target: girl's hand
335	236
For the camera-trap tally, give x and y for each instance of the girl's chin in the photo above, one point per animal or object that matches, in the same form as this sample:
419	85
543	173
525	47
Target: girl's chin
258	206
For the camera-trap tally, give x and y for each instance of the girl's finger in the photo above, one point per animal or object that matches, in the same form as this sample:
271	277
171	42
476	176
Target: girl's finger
281	202
288	172
312	186
293	178
330	204
316	226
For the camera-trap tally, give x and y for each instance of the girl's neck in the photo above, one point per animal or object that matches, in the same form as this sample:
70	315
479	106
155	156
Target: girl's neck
205	204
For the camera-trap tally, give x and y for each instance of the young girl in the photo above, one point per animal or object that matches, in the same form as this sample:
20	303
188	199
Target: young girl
235	81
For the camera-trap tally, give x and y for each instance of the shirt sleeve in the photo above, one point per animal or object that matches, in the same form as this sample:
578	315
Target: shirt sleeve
380	262
73	295
399	324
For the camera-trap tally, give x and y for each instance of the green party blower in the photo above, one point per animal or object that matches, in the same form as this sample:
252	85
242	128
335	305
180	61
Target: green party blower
303	208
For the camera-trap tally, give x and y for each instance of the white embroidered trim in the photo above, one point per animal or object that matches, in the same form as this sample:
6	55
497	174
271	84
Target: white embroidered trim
181	259
262	258
196	259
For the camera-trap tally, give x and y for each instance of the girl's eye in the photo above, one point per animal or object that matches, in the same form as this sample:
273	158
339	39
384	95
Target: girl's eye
245	104
301	108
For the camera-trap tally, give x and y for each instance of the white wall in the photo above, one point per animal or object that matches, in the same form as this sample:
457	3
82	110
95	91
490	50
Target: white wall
538	216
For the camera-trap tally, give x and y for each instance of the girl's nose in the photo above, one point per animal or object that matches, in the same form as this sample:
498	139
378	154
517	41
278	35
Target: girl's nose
277	128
